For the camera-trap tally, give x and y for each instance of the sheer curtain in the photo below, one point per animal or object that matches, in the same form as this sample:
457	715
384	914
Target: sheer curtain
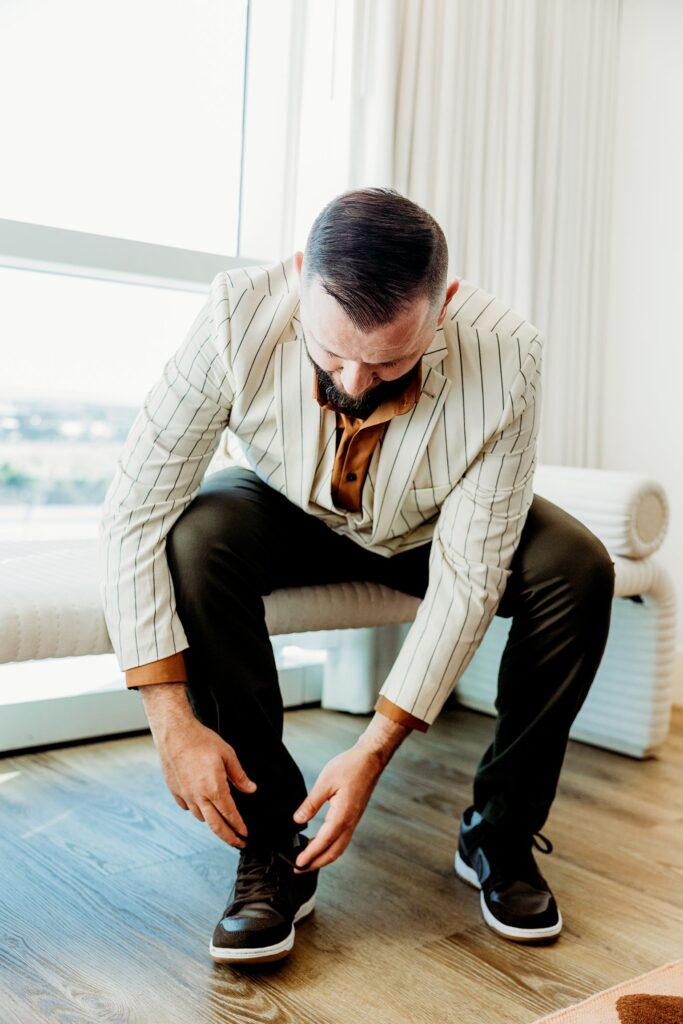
495	115
503	115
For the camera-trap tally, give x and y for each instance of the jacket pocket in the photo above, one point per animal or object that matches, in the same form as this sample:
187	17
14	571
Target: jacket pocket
425	502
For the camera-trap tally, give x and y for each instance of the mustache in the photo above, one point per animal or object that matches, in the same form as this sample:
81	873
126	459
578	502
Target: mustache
362	405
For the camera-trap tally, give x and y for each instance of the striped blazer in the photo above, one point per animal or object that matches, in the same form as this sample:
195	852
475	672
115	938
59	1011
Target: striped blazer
457	470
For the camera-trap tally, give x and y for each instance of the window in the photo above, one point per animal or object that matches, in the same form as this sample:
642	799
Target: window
120	178
125	118
147	146
83	355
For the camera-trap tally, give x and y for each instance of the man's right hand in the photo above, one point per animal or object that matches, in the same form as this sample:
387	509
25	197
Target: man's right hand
196	762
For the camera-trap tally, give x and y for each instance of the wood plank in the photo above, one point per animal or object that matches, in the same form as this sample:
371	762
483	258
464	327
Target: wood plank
110	892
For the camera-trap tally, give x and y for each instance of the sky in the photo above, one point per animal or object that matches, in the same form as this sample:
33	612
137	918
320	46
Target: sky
80	338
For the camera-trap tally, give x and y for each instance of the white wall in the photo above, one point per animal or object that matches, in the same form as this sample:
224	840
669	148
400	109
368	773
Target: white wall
642	426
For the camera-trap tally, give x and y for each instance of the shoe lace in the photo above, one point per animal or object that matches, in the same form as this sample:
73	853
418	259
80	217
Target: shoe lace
547	848
259	875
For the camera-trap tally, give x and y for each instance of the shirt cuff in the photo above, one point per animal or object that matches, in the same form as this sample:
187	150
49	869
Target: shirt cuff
397	714
166	670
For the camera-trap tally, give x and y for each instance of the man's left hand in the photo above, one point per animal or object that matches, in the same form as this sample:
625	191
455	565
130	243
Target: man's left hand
347	782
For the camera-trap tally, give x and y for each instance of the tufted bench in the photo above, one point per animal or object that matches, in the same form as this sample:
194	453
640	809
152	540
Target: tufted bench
50	608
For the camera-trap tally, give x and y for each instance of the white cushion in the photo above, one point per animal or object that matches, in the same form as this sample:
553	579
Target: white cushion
50	603
629	512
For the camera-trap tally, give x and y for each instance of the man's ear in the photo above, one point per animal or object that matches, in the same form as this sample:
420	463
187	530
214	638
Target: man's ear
450	292
298	260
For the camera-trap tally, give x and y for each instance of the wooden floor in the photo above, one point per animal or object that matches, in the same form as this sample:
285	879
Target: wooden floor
109	892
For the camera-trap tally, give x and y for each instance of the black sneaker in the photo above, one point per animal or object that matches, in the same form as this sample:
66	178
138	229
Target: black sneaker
516	901
266	901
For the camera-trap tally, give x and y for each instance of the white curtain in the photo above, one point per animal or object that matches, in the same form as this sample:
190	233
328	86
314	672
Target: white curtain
495	115
503	117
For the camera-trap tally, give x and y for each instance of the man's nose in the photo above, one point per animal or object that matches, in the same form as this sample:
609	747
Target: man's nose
356	379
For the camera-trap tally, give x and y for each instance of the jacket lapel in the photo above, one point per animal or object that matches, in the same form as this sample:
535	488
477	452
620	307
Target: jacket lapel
299	419
405	441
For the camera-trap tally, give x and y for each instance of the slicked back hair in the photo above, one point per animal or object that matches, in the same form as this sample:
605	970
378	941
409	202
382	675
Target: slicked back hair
376	252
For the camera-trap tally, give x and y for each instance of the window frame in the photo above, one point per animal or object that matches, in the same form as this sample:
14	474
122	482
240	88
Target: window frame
43	248
68	253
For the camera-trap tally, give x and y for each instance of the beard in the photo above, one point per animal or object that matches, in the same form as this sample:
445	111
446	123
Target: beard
363	405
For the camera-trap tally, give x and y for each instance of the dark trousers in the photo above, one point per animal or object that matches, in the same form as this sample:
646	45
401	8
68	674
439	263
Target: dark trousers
239	539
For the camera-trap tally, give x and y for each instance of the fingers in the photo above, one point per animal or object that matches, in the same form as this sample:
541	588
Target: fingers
223	808
229	826
205	791
194	810
327	834
333	850
225	805
236	772
313	802
219	827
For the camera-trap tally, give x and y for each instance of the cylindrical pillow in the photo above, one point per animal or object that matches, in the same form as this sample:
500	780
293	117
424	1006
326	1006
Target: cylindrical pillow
629	512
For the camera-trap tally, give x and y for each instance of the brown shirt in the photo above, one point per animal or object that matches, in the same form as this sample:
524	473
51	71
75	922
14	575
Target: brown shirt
356	442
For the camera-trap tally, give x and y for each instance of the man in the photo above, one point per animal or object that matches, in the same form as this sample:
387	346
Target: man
383	423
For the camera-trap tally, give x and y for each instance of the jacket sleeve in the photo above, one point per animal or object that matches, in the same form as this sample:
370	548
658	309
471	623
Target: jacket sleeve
475	538
160	469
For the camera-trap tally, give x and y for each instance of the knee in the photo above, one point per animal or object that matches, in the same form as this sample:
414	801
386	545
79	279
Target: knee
194	536
590	572
183	545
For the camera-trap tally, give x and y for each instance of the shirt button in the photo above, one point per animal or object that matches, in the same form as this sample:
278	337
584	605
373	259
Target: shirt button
350	477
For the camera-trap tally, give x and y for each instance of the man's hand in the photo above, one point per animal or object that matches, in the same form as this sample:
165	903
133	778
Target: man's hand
347	782
196	762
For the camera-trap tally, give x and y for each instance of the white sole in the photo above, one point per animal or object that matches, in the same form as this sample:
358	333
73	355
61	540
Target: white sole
467	874
262	954
470	876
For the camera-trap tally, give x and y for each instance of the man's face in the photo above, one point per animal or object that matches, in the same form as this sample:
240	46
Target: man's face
357	371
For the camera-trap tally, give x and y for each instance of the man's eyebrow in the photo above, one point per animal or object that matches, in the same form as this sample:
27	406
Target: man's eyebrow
384	362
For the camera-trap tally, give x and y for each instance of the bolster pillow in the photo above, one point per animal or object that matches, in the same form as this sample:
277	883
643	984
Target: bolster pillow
628	512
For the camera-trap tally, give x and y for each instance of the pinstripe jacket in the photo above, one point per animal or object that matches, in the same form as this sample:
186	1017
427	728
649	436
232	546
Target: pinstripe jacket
456	470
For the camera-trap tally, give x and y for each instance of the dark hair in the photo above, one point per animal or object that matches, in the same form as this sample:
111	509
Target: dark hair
376	252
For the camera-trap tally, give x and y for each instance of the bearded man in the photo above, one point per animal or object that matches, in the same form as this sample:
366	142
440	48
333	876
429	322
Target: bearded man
383	423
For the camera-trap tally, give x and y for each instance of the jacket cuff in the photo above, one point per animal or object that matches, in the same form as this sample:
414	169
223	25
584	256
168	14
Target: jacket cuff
397	714
166	670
